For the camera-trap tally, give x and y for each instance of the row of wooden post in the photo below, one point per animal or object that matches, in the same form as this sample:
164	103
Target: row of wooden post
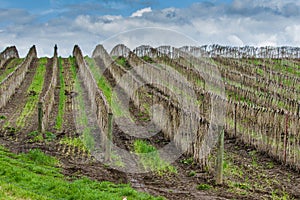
107	157
109	132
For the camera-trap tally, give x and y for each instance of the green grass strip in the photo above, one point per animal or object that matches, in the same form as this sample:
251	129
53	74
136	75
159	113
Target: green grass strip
74	142
62	96
284	66
10	67
101	81
150	158
33	92
36	176
123	62
105	87
81	118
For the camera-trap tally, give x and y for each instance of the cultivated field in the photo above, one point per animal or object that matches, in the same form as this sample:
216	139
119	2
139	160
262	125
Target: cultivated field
108	118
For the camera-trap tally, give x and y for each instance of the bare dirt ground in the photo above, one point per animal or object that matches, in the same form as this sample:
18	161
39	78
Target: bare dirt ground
16	103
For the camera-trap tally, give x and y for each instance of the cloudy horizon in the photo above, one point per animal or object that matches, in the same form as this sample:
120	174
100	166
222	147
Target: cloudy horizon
88	23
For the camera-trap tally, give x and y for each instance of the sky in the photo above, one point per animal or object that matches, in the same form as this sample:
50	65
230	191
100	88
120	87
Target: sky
45	23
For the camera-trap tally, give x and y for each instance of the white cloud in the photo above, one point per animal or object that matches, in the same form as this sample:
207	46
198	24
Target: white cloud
112	17
206	26
259	23
235	40
267	40
140	12
294	32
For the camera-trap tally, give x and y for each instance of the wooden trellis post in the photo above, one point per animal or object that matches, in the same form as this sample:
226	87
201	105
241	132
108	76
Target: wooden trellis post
235	110
40	117
285	137
109	138
220	157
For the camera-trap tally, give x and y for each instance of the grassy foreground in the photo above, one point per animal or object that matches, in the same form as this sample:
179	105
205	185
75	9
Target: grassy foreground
36	176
